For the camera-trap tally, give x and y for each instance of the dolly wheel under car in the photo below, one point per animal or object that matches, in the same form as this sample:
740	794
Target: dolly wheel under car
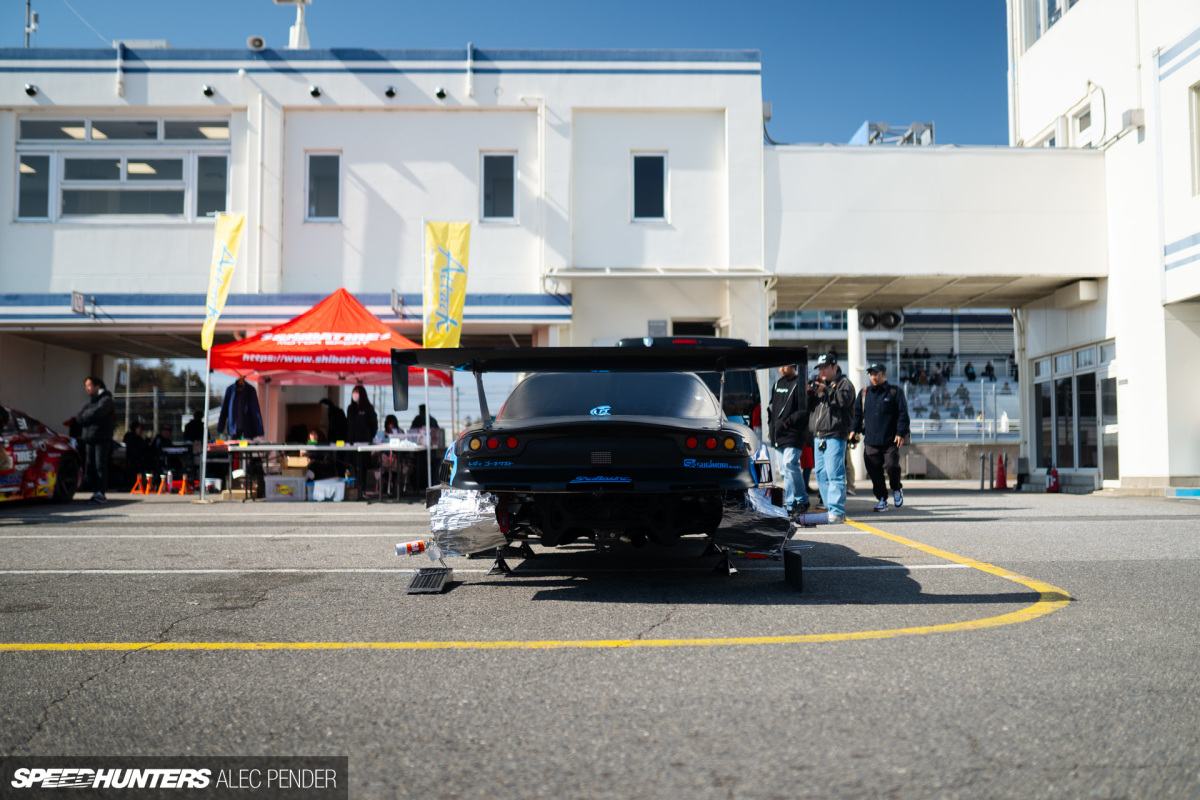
67	480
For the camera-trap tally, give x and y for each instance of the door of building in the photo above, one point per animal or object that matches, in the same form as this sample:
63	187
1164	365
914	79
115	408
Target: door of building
1110	473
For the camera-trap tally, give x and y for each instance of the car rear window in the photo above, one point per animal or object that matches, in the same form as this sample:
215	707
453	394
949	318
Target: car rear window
615	394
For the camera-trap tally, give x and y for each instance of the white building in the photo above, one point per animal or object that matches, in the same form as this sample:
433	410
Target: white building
614	193
1117	368
577	170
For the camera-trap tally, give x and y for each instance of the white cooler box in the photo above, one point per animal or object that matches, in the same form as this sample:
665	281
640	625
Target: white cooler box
285	487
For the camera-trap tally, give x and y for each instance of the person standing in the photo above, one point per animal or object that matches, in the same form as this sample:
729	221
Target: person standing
361	420
419	421
881	416
787	419
830	403
95	419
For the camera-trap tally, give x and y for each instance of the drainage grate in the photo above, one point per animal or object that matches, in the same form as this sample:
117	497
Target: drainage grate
601	457
430	580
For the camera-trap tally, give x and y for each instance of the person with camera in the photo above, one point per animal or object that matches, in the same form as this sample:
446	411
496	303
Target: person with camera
787	419
830	403
881	416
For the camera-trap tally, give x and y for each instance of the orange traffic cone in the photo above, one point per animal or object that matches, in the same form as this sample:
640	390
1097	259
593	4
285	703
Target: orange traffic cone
1001	474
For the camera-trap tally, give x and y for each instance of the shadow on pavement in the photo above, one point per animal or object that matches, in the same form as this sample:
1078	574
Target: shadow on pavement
661	576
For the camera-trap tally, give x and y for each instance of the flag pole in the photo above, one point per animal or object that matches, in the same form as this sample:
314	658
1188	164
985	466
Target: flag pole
204	419
425	372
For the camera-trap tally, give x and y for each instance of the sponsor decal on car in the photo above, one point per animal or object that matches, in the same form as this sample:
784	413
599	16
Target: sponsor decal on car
492	464
601	411
601	479
694	463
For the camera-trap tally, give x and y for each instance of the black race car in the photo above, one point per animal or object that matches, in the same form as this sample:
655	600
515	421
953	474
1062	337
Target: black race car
604	444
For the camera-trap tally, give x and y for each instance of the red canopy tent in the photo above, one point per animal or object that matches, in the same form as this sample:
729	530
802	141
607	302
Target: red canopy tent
337	341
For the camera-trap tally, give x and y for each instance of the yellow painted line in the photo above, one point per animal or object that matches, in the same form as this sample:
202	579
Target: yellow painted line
1050	599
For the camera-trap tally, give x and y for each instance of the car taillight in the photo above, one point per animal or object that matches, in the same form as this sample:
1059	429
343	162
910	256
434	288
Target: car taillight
493	443
475	443
729	442
710	443
756	419
691	443
512	443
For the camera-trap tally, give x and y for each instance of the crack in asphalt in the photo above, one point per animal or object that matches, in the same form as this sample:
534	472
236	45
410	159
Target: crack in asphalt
159	638
666	618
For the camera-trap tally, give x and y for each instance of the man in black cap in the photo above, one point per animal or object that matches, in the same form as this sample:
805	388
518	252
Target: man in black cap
787	418
830	403
881	415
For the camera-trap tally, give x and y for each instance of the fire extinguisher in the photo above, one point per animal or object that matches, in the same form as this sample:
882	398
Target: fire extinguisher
1052	479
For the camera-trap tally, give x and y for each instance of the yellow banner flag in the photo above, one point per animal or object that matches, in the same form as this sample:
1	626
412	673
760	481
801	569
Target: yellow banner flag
225	249
447	246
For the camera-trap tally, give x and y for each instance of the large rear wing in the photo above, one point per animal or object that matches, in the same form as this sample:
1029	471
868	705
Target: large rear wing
587	359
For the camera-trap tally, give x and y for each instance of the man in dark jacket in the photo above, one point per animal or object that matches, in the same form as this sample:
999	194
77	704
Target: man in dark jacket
830	404
787	428
96	431
881	416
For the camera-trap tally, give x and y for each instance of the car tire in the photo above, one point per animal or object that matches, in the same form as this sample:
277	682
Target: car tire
66	482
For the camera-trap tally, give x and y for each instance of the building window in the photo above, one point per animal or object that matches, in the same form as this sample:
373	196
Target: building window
1040	15
212	184
1088	428
107	167
1068	431
499	187
1083	120
46	130
122	186
1064	424
125	130
324	186
33	193
197	130
1108	352
650	187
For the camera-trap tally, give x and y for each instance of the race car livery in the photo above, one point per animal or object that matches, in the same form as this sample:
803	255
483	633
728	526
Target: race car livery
35	461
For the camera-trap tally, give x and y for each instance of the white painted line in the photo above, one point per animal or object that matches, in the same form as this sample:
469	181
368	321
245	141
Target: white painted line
381	570
206	514
391	535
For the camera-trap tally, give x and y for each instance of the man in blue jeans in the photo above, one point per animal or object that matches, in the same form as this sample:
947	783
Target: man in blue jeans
831	412
787	427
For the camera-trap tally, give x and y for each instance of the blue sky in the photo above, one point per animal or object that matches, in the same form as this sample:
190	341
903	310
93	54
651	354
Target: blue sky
827	66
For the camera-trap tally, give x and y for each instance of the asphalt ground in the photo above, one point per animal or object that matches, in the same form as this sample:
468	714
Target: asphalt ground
969	645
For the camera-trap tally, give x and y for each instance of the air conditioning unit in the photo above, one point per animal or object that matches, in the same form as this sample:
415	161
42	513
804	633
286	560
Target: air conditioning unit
1133	118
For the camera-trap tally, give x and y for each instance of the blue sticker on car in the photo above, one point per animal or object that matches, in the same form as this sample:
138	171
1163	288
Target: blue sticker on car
601	411
601	479
694	463
492	464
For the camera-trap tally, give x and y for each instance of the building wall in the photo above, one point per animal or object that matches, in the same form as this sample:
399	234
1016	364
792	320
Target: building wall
1103	57
44	381
934	211
695	232
399	168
